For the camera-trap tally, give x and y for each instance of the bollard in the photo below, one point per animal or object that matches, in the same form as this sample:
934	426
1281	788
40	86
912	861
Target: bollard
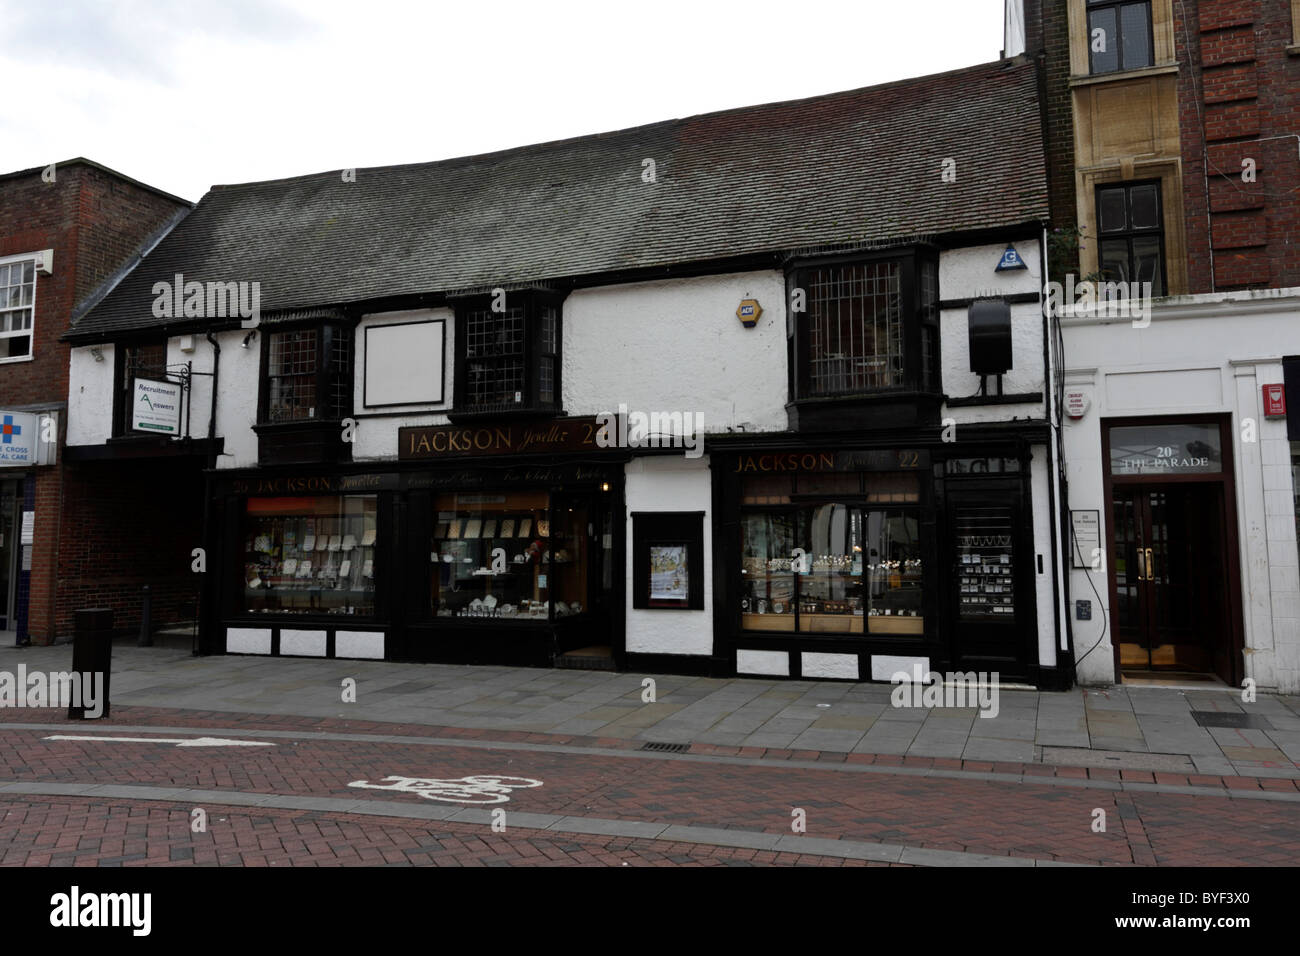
92	653
146	619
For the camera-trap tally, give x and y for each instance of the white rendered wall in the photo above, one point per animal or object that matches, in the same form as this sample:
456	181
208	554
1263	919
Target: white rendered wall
970	273
1200	355
671	483
90	396
677	345
375	436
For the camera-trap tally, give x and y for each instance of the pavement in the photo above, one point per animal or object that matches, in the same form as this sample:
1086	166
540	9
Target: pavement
580	768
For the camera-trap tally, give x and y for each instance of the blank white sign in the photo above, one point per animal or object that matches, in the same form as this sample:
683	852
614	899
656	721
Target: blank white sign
404	363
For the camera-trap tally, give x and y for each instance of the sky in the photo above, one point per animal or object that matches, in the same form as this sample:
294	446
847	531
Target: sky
185	95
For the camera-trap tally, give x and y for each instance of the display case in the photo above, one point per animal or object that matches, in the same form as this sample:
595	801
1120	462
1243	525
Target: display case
496	556
767	591
895	578
830	576
985	566
311	555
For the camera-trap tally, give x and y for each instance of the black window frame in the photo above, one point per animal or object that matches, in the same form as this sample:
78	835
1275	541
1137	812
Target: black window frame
683	528
1092	6
535	352
125	368
329	381
1129	234
916	312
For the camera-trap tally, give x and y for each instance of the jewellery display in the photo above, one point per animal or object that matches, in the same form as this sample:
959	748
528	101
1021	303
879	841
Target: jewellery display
303	556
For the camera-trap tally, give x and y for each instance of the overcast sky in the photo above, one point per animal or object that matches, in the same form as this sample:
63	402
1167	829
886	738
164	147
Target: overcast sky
185	95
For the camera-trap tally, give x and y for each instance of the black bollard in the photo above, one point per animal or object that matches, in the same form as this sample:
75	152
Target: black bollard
146	619
92	653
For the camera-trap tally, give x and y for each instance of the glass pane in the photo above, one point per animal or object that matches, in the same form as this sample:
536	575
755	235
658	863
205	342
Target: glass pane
1114	260
28	270
1112	211
830	592
1135	31
985	564
767	585
766	490
492	556
313	555
569	544
1146	206
1172	449
894	573
854	325
1148	262
1103	50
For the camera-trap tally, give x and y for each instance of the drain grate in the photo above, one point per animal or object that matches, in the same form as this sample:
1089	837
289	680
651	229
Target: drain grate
664	748
1215	718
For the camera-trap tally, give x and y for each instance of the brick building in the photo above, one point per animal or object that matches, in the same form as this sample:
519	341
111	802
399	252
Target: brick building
67	232
1174	137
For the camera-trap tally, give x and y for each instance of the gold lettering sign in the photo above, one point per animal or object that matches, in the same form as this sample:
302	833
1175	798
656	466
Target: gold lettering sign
459	441
787	461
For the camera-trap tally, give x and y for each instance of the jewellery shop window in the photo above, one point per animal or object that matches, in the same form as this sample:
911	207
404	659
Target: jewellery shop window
310	555
849	566
497	556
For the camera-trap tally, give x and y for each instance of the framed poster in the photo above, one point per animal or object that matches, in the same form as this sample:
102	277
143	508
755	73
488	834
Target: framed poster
668	560
669	576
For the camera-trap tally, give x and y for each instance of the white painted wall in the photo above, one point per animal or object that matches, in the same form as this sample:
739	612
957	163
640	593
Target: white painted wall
237	391
671	483
1200	354
678	346
90	396
969	273
375	437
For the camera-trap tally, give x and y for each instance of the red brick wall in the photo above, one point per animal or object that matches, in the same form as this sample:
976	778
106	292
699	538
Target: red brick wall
94	221
127	524
1239	91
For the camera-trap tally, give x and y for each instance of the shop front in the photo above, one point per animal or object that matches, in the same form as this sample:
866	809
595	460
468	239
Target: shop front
474	558
858	563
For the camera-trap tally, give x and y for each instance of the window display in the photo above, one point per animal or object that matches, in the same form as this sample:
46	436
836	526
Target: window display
493	556
834	567
310	555
984	571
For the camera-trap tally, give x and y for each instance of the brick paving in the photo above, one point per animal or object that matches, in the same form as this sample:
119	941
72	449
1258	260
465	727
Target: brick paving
85	832
901	801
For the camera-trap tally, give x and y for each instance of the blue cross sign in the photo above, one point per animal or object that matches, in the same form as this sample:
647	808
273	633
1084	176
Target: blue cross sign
8	430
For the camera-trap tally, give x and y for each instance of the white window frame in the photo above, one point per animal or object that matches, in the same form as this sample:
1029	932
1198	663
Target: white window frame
29	332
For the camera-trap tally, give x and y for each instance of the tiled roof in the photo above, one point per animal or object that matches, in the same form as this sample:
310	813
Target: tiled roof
861	166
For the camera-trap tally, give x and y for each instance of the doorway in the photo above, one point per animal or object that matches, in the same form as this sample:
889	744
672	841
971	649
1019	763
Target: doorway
1172	564
1171	579
10	548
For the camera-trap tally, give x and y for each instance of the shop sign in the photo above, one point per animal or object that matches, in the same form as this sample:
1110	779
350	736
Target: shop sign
156	407
19	434
1172	449
891	460
312	484
423	442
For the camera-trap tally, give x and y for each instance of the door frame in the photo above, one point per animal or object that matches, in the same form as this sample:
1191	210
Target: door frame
1226	478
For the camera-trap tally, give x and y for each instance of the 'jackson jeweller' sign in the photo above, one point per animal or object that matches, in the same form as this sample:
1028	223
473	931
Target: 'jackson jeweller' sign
419	442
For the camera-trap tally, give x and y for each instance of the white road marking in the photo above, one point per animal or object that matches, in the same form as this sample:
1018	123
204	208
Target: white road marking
178	741
477	789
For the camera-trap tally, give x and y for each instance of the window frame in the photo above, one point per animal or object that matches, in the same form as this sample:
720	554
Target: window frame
328	334
124	371
534	302
913	314
1130	234
30	332
1121	67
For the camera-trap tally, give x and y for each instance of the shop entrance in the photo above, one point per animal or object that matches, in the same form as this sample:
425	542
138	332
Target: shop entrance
1172	555
582	564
